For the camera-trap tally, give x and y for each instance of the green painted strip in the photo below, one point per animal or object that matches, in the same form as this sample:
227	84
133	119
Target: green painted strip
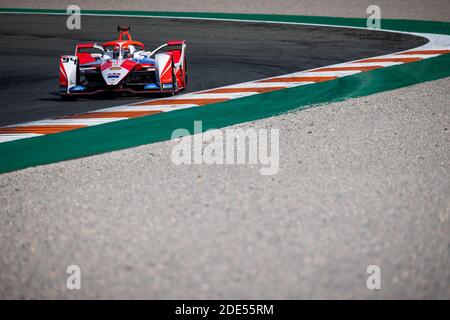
21	154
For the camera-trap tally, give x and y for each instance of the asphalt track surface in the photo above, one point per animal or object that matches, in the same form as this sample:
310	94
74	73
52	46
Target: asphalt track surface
219	53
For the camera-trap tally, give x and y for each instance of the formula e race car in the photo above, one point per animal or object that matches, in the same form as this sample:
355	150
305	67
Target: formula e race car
121	66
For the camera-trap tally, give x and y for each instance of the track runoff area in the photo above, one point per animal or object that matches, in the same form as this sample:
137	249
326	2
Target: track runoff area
423	46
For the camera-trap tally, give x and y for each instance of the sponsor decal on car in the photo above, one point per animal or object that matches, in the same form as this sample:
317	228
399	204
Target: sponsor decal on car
113	75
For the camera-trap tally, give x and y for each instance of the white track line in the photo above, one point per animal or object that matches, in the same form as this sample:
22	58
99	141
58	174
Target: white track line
420	56
306	73
265	85
162	108
203	95
72	121
318	73
370	64
6	137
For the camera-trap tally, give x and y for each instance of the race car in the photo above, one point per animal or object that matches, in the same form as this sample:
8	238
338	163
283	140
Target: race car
123	66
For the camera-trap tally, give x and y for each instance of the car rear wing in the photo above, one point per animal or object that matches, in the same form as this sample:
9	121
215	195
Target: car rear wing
84	46
88	52
176	48
176	42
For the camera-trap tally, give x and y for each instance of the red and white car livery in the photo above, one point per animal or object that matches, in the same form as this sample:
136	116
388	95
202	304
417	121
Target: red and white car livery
123	65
